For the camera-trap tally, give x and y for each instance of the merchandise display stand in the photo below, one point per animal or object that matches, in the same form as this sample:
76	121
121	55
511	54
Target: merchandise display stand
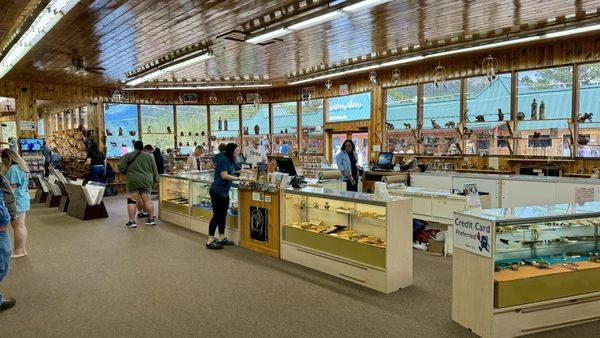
78	206
259	220
64	198
53	201
41	192
523	270
350	235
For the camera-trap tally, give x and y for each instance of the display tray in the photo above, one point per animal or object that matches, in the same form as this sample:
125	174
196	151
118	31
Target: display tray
352	250
181	208
530	284
205	214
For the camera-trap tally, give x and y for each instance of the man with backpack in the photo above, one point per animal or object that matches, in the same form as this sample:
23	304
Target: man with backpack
8	210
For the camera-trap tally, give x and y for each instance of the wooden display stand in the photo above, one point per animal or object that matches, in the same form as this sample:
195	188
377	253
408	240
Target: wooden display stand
78	206
52	201
64	198
370	177
40	194
257	201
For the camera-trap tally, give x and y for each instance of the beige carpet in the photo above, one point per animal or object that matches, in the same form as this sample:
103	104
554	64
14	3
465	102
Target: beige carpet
97	278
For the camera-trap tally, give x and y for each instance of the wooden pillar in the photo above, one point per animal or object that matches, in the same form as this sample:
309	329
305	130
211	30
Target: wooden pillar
376	124
25	108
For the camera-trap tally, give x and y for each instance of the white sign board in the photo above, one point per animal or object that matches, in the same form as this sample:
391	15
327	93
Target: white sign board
472	193
473	235
27	125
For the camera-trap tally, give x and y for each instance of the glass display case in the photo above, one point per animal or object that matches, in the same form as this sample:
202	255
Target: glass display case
201	203
538	266
174	194
329	230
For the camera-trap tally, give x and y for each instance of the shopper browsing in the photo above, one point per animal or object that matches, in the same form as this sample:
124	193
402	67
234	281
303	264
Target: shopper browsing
140	176
96	162
221	149
8	211
47	152
194	161
56	159
15	170
160	160
255	154
225	171
346	163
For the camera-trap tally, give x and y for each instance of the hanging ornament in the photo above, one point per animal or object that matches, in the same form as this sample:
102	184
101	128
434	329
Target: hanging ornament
439	76
396	76
328	85
373	78
257	101
240	97
306	97
489	66
212	98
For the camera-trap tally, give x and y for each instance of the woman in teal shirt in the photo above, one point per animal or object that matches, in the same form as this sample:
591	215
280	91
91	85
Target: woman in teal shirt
15	170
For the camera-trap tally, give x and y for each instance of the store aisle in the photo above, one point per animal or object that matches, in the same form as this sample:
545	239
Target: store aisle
97	278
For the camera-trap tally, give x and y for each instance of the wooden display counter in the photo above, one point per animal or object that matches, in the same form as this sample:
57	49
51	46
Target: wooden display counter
370	177
259	221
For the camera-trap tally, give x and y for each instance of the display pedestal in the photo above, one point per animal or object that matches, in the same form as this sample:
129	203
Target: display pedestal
64	198
78	206
259	221
40	194
52	201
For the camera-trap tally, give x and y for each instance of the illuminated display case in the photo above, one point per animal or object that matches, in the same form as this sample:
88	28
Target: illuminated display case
536	268
350	235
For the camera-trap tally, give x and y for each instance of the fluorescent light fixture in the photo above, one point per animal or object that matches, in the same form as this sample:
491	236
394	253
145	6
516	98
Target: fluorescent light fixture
363	5
174	65
486	46
43	23
269	36
316	20
203	87
573	31
326	76
257	85
403	61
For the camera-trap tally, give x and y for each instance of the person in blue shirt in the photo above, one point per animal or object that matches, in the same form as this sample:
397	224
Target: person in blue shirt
47	152
15	170
221	149
346	162
226	171
285	147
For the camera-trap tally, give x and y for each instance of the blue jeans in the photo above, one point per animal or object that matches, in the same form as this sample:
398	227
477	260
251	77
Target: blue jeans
96	173
5	252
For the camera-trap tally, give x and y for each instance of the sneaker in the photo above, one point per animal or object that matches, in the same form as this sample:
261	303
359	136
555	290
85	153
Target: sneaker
142	215
214	245
225	241
131	224
151	221
7	303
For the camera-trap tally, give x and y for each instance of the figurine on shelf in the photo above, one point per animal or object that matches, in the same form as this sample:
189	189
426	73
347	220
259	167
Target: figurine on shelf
180	144
407	126
500	115
389	126
187	144
256	129
585	117
533	110
479	118
114	144
202	133
220	124
435	124
189	133
181	133
196	134
467	132
149	129
281	131
168	129
450	124
419	125
132	132
195	143
245	131
542	110
536	134
226	125
520	116
467	116
108	133
286	131
120	131
583	140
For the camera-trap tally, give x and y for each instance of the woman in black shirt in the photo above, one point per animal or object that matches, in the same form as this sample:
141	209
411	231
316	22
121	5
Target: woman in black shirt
97	163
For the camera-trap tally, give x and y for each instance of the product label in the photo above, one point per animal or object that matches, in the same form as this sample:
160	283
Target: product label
473	235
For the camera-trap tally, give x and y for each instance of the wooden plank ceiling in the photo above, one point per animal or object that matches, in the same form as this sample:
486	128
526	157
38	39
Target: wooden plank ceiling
120	35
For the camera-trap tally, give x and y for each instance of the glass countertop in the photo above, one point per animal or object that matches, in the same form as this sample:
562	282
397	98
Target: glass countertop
342	195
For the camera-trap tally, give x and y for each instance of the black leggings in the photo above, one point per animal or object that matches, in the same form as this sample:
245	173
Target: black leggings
220	205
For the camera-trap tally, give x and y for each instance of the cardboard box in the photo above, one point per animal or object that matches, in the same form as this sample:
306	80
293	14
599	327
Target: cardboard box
436	247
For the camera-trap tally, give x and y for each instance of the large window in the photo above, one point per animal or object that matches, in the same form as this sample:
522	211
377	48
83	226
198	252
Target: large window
312	127
121	123
192	128
401	118
441	112
349	108
588	143
544	110
224	124
255	125
285	127
83	113
157	126
9	129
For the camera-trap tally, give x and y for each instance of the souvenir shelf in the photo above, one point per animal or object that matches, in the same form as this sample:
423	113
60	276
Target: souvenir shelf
353	236
174	201
538	270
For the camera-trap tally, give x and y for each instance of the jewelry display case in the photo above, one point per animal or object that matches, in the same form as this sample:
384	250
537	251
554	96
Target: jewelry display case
535	268
174	204
350	235
201	210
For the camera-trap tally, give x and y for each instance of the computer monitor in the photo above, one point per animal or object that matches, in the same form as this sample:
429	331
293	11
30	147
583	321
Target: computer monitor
286	165
385	160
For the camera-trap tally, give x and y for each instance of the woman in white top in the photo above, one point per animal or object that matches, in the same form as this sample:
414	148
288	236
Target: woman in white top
194	161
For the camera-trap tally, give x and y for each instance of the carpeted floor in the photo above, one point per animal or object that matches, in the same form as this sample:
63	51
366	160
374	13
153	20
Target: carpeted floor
97	278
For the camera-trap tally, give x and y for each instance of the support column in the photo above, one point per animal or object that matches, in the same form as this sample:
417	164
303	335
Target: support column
25	108
376	124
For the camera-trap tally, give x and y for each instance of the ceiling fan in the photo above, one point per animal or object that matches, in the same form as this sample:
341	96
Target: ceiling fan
80	65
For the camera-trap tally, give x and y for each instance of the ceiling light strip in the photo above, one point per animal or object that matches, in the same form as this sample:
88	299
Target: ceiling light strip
222	86
453	52
43	23
169	68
